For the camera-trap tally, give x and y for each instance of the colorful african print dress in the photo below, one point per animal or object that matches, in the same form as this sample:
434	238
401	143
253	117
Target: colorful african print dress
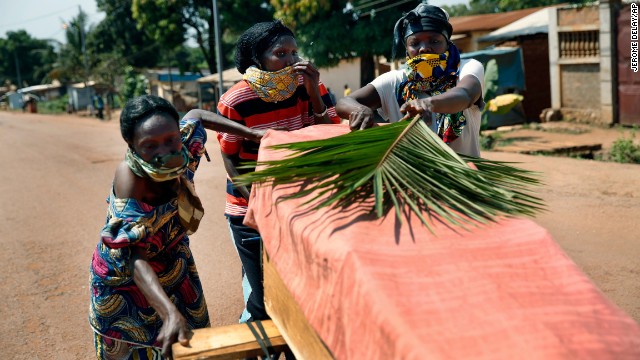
118	309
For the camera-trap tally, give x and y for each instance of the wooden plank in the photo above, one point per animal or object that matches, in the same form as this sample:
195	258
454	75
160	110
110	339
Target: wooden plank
227	342
287	315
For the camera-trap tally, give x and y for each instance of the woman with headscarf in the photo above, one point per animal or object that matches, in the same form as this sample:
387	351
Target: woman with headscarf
435	83
280	91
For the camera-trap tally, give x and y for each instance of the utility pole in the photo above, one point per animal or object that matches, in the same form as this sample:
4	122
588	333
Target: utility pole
84	61
15	58
216	26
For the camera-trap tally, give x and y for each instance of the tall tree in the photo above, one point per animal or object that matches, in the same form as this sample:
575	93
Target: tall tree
173	22
118	34
26	57
74	62
331	30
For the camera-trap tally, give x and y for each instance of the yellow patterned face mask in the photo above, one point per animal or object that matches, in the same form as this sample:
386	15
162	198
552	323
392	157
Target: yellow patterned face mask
431	75
272	86
429	67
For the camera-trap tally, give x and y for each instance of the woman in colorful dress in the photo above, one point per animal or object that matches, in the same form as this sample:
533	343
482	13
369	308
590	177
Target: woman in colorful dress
281	91
435	83
145	289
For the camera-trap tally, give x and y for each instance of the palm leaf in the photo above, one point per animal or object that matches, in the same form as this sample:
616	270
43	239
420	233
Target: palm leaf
403	164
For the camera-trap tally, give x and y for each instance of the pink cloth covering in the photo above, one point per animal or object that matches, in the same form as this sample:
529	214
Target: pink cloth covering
377	289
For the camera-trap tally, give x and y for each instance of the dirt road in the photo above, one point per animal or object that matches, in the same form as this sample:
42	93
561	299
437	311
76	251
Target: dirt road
56	175
57	171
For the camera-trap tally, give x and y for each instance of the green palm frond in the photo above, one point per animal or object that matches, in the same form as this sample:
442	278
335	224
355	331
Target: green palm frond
402	164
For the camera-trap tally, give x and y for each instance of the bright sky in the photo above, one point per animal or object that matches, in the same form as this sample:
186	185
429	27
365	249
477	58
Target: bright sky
43	19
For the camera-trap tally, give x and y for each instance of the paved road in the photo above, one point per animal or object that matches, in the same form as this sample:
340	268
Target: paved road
56	173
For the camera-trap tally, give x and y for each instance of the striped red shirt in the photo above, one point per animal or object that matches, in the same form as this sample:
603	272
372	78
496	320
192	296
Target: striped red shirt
240	103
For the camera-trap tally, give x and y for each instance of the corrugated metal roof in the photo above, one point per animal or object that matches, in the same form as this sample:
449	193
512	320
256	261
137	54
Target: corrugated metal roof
228	76
488	22
40	87
536	23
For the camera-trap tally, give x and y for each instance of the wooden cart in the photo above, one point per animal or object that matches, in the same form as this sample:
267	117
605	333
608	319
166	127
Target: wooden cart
340	283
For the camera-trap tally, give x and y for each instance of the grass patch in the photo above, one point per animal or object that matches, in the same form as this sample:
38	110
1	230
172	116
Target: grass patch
494	140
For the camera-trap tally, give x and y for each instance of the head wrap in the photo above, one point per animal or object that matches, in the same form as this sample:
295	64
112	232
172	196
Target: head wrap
423	18
256	40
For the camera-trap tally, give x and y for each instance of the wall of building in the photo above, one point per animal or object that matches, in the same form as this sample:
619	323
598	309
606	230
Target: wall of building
580	86
580	63
346	72
578	16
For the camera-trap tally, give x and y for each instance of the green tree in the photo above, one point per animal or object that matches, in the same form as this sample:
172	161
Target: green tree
74	59
119	36
331	30
173	22
135	84
24	56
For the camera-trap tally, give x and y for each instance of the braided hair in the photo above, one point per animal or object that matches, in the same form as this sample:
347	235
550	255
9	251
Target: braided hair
256	40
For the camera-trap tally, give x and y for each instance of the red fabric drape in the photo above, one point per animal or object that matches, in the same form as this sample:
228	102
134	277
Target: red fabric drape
377	289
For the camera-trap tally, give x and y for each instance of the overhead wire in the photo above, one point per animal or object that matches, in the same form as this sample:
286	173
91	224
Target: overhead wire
367	4
382	8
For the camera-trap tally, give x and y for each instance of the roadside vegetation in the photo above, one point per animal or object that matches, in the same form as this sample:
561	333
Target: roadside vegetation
625	150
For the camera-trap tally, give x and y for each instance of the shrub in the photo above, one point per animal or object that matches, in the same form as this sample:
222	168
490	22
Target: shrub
55	106
624	150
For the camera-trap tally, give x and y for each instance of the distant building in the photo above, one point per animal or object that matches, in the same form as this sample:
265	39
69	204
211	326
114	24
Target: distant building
468	29
45	92
179	89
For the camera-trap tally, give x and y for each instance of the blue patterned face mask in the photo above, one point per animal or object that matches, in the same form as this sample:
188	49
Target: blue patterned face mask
160	168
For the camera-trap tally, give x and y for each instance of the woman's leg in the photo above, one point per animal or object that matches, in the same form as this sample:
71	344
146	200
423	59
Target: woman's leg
247	242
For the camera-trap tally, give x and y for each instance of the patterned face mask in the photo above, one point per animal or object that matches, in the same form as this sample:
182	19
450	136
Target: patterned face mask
434	74
160	168
272	86
430	73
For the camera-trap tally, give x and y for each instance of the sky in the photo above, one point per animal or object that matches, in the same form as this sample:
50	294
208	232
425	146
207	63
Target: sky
43	19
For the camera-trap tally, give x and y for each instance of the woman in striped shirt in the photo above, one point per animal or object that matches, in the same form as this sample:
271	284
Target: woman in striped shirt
280	91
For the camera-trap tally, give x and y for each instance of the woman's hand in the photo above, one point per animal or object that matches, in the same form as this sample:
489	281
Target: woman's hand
310	76
311	81
174	326
359	107
418	106
258	134
362	118
174	329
